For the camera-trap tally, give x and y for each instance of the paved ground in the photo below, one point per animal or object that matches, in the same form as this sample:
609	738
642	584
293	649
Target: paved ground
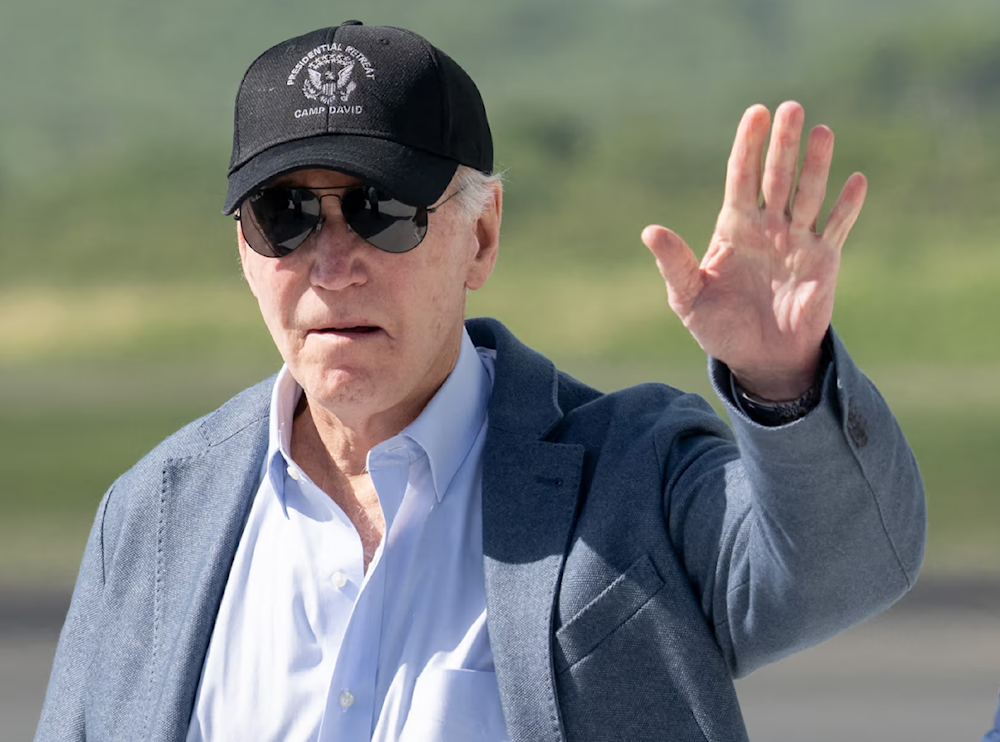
930	678
927	671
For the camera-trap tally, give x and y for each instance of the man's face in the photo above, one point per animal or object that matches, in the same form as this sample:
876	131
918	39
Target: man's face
366	333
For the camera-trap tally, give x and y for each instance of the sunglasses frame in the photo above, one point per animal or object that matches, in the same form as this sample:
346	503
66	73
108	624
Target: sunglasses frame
420	214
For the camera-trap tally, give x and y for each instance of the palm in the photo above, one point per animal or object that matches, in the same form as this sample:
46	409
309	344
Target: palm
762	297
762	288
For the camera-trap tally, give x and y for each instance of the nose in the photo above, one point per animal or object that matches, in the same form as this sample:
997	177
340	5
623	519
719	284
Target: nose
338	255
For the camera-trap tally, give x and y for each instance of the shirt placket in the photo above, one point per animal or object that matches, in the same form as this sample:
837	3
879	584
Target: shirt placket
339	575
351	702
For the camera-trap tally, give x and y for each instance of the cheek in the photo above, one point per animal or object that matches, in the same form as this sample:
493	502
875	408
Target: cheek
443	290
270	311
276	295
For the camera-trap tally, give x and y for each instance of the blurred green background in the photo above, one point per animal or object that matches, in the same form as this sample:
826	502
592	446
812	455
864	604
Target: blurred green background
123	315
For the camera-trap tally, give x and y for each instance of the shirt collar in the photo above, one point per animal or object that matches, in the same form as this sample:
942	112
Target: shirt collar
450	423
284	398
445	429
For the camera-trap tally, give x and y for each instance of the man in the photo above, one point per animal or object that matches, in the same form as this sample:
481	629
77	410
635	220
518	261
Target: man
420	529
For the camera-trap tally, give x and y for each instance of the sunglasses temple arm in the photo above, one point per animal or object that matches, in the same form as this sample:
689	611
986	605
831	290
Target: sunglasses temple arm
432	209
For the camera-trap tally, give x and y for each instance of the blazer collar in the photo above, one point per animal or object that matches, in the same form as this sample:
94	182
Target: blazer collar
525	386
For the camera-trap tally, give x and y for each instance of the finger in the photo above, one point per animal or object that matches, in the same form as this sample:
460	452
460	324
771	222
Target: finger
846	211
678	266
811	191
743	170
783	156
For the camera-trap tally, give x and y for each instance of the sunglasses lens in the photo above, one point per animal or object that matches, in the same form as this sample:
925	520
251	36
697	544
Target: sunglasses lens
280	219
382	221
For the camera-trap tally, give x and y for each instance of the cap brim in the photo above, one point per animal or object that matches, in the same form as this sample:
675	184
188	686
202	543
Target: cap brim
413	176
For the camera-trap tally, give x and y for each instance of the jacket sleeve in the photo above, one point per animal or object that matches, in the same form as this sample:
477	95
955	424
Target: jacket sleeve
800	530
63	717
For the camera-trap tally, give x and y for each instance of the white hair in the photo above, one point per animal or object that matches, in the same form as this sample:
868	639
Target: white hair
473	191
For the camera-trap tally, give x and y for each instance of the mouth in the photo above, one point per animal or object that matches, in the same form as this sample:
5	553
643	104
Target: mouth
347	331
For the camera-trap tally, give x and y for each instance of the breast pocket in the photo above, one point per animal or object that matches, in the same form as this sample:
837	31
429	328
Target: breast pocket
455	706
606	613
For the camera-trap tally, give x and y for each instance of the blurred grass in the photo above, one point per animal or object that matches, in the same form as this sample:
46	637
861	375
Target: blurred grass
899	301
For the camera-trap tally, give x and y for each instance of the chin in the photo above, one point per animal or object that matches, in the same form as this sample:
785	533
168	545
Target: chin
350	393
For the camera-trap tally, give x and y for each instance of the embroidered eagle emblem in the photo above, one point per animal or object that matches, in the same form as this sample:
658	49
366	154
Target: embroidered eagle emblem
330	85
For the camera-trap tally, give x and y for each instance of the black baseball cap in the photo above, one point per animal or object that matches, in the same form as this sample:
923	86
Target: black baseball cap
376	102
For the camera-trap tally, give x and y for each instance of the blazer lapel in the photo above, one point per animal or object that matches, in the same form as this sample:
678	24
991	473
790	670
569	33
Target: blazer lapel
203	508
530	491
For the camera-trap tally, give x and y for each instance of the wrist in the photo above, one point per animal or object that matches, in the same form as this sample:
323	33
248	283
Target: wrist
770	411
774	391
776	386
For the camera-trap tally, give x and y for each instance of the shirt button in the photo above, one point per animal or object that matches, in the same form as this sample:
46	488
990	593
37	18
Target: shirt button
293	474
339	579
346	700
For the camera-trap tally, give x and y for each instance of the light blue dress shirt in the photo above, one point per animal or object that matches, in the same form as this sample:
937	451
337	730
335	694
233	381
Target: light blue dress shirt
307	646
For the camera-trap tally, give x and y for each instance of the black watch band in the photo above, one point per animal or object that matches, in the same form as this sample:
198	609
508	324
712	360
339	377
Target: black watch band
770	413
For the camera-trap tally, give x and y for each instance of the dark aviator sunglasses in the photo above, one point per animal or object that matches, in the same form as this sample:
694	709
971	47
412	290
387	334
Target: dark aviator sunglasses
278	219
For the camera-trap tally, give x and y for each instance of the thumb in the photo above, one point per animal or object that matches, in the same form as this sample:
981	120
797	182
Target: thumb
677	263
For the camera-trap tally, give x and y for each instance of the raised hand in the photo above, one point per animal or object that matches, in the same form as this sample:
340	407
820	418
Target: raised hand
762	298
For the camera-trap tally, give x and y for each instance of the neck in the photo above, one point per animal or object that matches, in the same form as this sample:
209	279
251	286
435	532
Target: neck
342	439
321	436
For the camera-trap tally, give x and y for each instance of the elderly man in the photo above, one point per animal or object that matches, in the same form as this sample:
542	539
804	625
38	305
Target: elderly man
420	529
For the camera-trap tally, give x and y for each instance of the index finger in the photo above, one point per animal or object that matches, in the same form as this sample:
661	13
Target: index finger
744	169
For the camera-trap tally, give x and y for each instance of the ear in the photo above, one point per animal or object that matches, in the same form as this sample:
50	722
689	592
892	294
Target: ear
487	235
245	258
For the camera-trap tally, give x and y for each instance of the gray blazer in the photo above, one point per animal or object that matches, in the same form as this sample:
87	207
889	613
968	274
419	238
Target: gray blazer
636	558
